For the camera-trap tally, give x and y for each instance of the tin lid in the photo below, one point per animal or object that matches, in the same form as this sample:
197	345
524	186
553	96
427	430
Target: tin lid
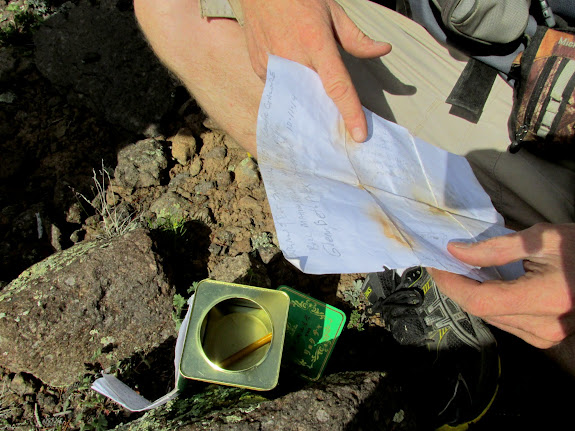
313	328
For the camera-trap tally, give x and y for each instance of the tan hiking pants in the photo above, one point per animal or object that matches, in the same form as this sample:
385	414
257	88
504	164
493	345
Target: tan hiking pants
410	85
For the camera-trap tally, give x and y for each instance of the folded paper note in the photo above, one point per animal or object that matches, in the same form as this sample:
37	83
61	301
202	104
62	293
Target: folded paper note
343	207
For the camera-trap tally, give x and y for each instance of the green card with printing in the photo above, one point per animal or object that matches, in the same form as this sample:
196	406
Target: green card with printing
313	328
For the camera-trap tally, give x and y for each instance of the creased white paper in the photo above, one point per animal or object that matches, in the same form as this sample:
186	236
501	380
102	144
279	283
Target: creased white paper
343	207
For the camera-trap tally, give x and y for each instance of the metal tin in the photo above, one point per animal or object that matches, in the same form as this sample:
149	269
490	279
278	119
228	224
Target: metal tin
226	318
313	328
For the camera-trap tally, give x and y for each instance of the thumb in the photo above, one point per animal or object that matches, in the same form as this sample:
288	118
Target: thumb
496	251
355	41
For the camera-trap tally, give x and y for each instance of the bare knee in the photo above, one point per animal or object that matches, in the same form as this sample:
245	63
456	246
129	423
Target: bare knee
211	59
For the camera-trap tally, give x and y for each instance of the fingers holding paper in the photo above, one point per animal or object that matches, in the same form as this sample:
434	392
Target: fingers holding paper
538	307
309	32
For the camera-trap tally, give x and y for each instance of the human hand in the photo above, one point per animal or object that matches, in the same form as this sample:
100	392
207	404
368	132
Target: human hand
308	32
537	307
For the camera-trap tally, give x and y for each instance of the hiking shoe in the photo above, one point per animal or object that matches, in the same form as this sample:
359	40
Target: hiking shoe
456	352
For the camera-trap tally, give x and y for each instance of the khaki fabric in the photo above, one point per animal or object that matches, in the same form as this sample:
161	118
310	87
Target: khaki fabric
216	9
410	85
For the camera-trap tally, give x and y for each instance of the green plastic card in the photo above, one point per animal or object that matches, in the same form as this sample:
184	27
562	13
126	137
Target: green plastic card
313	328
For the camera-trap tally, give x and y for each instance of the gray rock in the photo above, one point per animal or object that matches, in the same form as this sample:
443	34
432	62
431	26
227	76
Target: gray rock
231	269
100	54
140	164
241	269
204	187
223	179
247	173
171	207
215	249
64	311
217	153
179	181
267	254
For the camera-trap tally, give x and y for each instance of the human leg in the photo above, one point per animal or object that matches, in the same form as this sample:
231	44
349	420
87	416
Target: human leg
210	58
408	86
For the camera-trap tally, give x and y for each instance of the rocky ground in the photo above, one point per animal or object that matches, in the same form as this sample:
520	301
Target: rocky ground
113	179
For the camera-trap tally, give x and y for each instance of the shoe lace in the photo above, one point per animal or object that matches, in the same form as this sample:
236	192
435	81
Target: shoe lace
397	305
405	297
397	309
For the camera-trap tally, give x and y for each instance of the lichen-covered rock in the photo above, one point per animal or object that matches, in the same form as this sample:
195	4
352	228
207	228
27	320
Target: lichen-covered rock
247	173
140	164
97	301
171	208
343	401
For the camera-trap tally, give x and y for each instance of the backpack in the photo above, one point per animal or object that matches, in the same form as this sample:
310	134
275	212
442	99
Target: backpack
514	38
543	115
485	21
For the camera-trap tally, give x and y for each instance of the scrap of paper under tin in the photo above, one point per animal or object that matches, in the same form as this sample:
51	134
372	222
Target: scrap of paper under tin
343	207
118	391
